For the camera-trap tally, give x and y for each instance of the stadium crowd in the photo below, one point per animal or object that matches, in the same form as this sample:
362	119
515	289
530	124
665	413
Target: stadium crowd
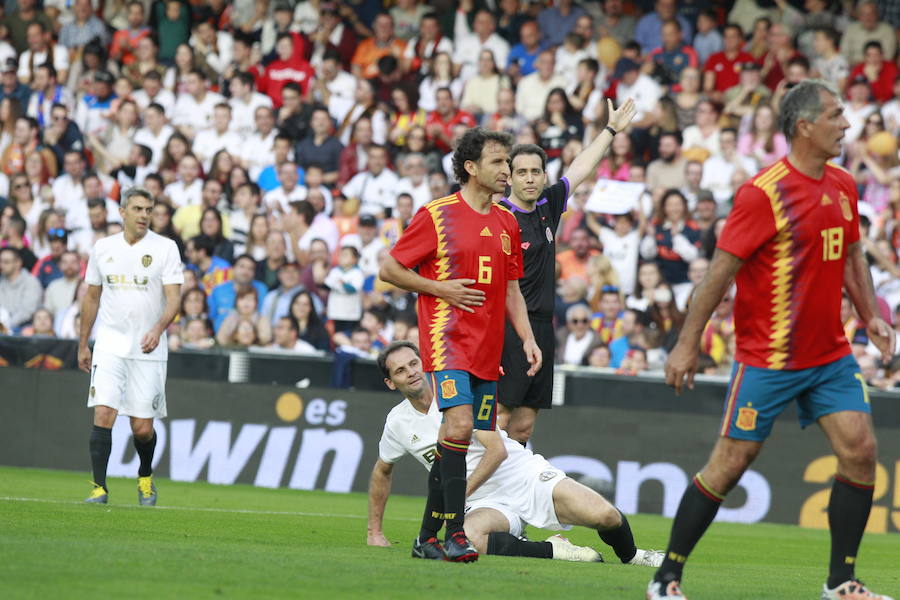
288	144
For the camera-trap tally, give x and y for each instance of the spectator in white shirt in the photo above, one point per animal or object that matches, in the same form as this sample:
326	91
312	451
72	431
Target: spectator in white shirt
41	49
375	189
639	86
155	132
332	81
219	137
214	46
531	95
286	338
258	150
189	187
718	169
67	190
154	92
469	43
415	180
281	197
244	102
193	110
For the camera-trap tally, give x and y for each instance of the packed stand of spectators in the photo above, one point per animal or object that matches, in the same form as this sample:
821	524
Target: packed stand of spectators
288	144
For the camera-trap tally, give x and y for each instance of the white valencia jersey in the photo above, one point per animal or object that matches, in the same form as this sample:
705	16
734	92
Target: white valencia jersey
133	299
407	431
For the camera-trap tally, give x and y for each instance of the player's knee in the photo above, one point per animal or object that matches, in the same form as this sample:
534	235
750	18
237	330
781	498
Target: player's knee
609	518
477	537
104	417
862	453
142	431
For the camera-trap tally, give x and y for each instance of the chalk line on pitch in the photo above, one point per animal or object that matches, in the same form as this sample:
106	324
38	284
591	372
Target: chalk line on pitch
207	509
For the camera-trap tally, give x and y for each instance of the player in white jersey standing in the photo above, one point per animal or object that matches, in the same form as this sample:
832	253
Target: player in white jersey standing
134	280
501	496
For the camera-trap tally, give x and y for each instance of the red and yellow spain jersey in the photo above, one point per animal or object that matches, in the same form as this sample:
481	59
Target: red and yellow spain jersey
792	232
447	239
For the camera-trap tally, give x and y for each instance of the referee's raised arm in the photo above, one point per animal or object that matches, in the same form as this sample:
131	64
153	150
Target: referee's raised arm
586	162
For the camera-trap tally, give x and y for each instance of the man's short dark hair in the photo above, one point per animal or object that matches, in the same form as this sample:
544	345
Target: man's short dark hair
471	146
14	251
390	349
285	35
673	133
51	72
245	78
292	323
873	44
735	26
520	149
154	75
97	203
145	152
254	188
293	86
834	37
19	224
244	256
799	60
198	73
592	64
205	243
304	209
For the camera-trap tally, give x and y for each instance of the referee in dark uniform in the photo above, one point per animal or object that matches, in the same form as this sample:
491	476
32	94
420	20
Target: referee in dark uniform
538	210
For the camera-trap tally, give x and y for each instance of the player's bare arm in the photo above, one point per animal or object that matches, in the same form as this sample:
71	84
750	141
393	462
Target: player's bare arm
682	360
517	312
494	454
586	163
454	292
858	282
89	307
379	490
173	303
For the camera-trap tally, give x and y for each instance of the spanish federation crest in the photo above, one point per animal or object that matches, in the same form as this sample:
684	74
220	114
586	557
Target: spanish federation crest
505	243
746	419
146	260
845	206
448	389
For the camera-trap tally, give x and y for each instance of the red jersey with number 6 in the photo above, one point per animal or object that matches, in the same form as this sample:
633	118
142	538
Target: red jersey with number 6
792	231
447	239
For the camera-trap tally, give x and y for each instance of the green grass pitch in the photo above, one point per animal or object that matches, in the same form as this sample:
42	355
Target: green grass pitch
208	541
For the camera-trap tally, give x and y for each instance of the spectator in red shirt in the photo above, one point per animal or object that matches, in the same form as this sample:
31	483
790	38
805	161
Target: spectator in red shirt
781	50
125	41
440	123
722	69
880	73
289	66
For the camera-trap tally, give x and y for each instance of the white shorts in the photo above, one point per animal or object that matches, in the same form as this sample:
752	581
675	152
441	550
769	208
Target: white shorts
135	388
527	500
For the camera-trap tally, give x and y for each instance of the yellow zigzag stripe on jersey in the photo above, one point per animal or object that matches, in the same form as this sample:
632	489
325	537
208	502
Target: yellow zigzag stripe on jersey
782	275
442	267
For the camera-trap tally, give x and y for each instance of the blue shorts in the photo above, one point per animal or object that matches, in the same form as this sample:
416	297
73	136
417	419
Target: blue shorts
756	396
454	387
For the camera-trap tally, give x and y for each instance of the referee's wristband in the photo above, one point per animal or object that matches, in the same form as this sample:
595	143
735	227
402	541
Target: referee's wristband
611	131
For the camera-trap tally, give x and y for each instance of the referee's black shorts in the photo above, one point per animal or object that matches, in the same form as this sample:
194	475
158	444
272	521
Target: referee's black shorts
515	387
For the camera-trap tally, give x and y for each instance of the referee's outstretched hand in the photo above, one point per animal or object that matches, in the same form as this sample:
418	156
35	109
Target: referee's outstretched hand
682	363
457	294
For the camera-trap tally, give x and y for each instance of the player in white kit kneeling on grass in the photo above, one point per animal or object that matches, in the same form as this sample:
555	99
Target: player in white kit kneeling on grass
134	280
508	486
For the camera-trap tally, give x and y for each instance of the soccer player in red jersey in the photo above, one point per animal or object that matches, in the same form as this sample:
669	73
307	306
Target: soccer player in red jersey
792	243
467	258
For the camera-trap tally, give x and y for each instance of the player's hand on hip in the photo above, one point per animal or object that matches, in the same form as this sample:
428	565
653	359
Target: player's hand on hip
682	363
620	118
150	341
457	293
883	336
84	358
534	356
377	539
